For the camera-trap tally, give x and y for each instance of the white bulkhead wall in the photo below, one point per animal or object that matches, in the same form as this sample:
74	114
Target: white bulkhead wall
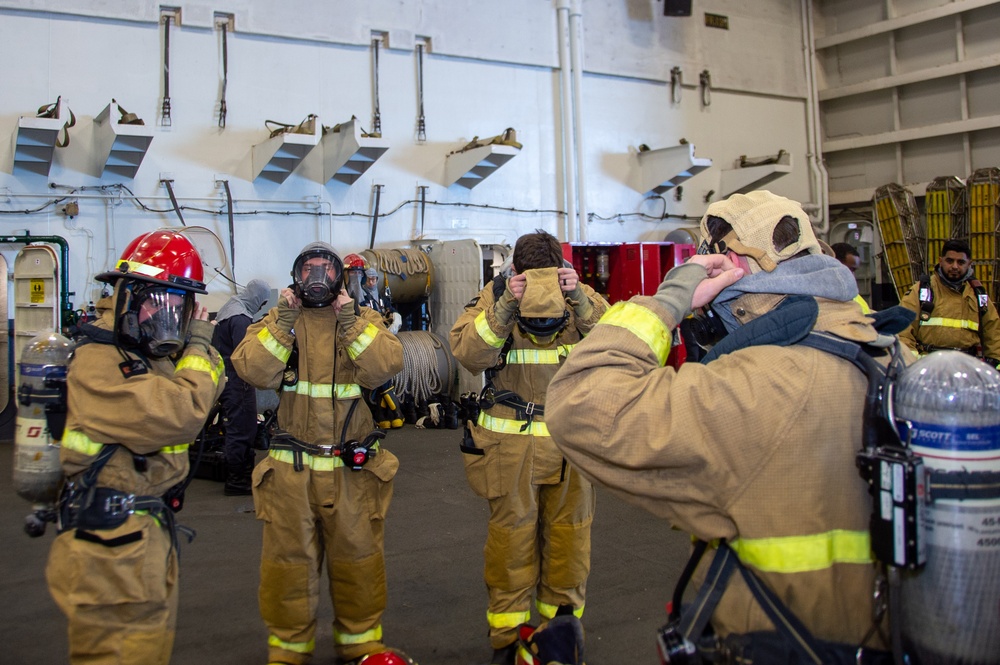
487	66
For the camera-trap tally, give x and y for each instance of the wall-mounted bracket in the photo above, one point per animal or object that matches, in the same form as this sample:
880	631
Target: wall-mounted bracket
665	168
119	146
348	152
277	157
470	168
752	173
35	142
480	159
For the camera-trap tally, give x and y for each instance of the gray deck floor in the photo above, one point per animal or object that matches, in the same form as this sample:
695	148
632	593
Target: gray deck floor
435	532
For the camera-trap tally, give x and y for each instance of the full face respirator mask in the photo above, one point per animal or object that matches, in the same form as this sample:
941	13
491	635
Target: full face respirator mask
156	320
318	277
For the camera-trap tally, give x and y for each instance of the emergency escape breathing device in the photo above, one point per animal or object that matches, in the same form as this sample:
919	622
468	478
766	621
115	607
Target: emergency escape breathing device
41	418
947	409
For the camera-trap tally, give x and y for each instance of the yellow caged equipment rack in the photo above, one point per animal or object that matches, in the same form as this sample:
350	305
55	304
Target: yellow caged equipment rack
945	208
983	188
896	216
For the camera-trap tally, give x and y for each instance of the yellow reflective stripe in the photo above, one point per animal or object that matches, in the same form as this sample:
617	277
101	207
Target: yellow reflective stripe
797	554
373	635
294	647
324	390
273	346
507	619
484	330
199	364
80	442
951	323
363	341
548	611
314	463
149	515
538	356
508	426
642	323
865	309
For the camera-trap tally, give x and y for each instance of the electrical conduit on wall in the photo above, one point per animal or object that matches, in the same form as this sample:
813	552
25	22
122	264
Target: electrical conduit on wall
565	106
576	55
820	180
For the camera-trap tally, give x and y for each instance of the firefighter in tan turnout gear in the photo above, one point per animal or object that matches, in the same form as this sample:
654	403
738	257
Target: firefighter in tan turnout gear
324	489
756	445
954	311
137	398
518	330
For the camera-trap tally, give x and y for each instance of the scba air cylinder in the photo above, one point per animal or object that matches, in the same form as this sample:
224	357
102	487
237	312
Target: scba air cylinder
41	415
948	407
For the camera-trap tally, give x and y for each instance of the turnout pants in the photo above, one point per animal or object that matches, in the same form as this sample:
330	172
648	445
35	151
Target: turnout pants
118	588
538	540
321	511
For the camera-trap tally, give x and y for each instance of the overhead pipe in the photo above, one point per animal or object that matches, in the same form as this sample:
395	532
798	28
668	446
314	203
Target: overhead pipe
820	177
315	201
576	55
565	107
27	239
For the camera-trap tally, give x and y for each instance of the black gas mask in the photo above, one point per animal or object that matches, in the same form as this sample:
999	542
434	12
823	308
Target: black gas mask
542	327
156	319
318	277
700	332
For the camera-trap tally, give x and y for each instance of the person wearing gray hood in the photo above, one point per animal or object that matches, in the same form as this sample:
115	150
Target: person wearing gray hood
239	399
752	451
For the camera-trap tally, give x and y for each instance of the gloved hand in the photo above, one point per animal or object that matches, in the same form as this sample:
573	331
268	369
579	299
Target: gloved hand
677	289
505	307
582	306
346	316
201	332
286	314
396	324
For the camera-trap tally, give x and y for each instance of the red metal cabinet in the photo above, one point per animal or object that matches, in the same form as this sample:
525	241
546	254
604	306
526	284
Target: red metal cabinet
619	271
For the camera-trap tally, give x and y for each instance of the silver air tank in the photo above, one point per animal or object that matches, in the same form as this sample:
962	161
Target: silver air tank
947	405
41	416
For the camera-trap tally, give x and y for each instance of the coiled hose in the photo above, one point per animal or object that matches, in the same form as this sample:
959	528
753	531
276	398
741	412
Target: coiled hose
421	377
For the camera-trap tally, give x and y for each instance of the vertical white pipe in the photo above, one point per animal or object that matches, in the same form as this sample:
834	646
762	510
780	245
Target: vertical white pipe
565	108
821	181
576	54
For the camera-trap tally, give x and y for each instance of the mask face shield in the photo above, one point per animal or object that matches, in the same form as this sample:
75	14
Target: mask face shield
163	315
318	278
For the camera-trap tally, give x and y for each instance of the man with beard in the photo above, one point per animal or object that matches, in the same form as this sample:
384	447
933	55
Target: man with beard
954	311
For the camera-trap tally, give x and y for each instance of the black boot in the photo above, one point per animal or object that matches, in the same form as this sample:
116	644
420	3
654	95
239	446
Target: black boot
237	485
409	412
239	481
504	656
451	419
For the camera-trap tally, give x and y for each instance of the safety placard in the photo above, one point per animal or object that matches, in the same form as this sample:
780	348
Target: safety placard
37	291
